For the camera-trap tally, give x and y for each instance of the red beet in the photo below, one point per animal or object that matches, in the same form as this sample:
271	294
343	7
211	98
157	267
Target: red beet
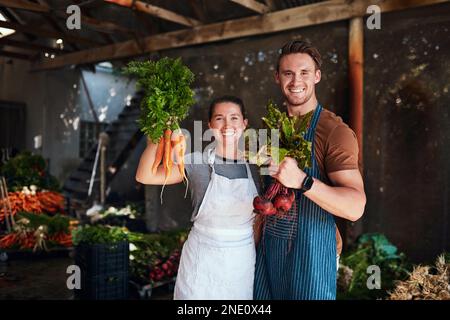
274	189
292	196
276	199
270	212
263	206
282	202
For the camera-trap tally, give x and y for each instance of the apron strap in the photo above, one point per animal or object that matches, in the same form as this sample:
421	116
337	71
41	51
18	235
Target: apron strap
211	158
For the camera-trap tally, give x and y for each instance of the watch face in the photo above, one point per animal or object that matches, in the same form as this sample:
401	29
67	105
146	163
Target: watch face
308	183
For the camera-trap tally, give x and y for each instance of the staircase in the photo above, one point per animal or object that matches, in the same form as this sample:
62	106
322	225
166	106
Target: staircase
124	134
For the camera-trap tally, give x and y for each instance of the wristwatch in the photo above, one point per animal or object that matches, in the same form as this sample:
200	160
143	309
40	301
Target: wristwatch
306	184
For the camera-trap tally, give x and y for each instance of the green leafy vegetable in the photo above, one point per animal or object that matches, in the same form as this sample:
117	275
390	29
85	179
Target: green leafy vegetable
55	224
28	169
371	249
291	131
167	94
98	234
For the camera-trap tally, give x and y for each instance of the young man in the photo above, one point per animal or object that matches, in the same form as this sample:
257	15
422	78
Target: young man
296	258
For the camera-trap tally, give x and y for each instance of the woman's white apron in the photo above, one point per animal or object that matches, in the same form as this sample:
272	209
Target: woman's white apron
218	258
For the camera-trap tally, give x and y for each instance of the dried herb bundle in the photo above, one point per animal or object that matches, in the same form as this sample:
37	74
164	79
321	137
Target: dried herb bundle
425	283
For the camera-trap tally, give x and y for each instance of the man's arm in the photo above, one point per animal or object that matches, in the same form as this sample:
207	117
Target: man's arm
345	199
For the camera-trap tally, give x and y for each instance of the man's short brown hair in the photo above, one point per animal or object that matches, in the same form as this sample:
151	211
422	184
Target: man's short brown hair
299	46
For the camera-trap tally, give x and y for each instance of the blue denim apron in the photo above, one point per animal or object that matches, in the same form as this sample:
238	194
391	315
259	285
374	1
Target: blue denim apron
296	257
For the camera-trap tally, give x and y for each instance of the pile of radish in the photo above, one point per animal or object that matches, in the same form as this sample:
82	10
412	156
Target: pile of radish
163	270
276	200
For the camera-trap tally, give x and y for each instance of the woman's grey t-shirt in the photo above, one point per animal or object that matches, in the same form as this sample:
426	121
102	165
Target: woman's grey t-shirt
198	172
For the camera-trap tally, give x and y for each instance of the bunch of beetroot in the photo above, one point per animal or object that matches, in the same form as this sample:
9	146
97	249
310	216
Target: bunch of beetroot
164	269
276	200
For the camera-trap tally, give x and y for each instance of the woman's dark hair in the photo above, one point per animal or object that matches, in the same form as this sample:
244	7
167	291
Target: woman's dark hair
223	99
298	46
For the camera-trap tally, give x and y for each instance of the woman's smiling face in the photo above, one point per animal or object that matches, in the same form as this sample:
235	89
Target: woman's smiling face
227	122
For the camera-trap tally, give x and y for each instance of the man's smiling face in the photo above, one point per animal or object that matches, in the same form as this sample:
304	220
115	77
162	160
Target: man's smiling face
297	76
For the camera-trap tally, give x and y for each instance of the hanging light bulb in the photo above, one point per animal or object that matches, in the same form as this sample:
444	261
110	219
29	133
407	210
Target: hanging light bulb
59	44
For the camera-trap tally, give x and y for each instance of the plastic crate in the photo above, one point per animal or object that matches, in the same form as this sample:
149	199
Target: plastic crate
104	271
113	286
100	259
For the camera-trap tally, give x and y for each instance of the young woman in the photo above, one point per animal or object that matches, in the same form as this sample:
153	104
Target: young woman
218	258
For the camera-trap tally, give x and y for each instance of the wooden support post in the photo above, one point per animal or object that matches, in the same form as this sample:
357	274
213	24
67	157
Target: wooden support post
355	71
356	59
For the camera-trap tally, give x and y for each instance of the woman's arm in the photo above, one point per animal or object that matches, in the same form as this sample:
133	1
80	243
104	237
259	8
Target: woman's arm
144	173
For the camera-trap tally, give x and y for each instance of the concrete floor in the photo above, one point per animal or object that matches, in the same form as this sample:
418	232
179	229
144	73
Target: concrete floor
44	278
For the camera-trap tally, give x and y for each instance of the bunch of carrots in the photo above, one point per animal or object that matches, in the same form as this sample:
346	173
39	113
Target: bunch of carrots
46	201
61	238
51	202
9	240
28	240
24	241
169	150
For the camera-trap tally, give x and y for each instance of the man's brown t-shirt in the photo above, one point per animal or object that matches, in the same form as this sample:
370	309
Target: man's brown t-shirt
336	149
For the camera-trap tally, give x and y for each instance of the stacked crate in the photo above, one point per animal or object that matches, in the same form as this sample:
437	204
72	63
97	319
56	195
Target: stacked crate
104	271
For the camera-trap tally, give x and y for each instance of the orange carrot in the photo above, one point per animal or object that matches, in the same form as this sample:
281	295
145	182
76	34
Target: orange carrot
180	148
158	155
167	153
8	240
167	160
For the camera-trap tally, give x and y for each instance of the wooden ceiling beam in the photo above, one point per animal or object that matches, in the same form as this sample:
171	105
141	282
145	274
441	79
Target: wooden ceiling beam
30	46
12	16
308	15
43	7
14	55
54	24
198	6
97	25
271	4
157	12
24	5
253	5
47	33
